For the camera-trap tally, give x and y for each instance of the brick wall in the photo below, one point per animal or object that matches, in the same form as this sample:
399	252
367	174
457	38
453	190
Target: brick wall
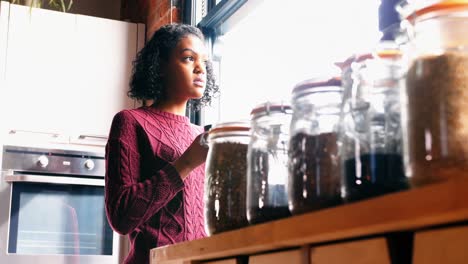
134	10
153	13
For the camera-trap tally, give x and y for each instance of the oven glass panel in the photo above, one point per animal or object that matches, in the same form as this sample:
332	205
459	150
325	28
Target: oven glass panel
58	219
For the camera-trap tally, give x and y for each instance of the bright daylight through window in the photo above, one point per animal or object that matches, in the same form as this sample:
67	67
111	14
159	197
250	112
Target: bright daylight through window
280	43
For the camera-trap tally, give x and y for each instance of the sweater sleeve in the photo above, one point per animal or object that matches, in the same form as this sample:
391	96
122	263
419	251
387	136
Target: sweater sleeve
131	202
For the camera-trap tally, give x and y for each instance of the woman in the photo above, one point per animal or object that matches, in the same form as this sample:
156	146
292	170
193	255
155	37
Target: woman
154	162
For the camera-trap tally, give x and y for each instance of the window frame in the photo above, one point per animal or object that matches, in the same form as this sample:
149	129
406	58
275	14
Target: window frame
221	16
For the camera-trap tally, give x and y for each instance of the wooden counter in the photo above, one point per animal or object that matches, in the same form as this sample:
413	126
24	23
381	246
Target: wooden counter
410	211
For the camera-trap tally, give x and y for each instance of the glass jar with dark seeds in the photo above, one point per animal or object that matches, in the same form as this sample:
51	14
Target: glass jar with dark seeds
435	91
267	158
314	179
225	177
371	136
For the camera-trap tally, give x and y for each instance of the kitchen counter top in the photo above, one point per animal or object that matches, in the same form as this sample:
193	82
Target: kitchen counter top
411	210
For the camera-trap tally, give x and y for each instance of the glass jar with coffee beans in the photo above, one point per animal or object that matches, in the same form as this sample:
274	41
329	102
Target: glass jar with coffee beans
435	90
370	137
314	175
267	158
225	177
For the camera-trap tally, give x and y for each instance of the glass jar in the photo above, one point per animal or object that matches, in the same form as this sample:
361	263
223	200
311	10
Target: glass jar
346	71
225	177
314	180
435	90
370	135
267	160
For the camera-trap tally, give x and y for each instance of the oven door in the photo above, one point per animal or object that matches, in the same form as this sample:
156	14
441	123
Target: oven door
54	219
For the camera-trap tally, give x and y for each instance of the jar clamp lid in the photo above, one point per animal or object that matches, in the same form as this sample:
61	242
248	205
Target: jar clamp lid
269	108
356	58
317	85
232	128
412	9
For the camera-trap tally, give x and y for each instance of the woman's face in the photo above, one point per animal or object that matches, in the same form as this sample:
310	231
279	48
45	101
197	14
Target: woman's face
185	71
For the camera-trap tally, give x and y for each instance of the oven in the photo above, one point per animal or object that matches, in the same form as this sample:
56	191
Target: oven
52	207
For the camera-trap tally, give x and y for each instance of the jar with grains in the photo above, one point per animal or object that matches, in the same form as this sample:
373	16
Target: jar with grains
435	90
267	162
314	179
370	136
225	177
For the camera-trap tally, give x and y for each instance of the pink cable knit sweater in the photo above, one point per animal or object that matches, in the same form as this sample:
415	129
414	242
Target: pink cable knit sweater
145	196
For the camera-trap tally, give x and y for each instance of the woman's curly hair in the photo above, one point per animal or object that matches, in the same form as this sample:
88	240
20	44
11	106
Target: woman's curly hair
146	82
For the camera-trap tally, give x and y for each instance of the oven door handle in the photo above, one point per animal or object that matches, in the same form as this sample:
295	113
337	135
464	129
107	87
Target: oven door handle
53	180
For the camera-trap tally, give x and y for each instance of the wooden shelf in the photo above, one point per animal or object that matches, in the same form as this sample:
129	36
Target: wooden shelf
432	205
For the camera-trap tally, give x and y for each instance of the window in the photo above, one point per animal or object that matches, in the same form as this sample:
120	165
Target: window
265	47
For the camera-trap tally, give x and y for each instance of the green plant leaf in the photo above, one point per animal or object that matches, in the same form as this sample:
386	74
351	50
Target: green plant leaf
62	5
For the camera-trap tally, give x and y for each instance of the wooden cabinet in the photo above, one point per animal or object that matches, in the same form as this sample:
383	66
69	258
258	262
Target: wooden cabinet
445	245
4	10
385	229
368	251
105	51
296	256
66	73
39	69
224	261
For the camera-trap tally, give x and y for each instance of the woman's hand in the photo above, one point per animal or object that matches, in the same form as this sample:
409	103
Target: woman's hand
193	157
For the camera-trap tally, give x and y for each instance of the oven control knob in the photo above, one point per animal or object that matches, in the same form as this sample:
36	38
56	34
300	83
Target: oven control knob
89	164
43	161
